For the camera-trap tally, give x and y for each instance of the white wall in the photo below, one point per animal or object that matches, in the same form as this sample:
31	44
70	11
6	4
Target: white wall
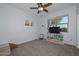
78	31
12	25
70	36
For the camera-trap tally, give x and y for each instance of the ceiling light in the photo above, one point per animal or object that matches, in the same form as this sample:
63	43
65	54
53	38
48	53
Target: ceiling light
40	8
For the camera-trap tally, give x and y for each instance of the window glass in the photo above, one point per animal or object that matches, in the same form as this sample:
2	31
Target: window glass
64	19
61	22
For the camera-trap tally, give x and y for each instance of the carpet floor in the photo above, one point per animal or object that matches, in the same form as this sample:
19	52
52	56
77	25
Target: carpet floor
44	48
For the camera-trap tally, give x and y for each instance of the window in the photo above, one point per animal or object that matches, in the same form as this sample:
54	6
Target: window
61	22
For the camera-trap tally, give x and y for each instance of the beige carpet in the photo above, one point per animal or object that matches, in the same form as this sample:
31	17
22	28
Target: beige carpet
44	48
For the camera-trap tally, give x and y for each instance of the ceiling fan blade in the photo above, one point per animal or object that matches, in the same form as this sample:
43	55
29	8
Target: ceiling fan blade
38	12
48	4
45	10
39	4
34	8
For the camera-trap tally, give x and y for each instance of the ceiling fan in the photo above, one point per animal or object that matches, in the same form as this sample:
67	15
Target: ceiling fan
41	7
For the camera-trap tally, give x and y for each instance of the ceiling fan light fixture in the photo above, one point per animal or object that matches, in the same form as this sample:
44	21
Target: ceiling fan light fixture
40	8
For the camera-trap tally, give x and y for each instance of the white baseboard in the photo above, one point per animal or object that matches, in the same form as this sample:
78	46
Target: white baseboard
77	46
25	41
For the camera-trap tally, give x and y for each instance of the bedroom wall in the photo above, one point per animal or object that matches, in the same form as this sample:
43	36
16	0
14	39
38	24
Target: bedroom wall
70	36
77	25
12	25
78	31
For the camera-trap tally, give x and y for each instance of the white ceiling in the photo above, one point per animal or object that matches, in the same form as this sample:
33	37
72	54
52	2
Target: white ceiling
53	8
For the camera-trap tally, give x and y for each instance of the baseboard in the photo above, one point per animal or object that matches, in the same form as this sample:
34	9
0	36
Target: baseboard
77	46
25	42
70	43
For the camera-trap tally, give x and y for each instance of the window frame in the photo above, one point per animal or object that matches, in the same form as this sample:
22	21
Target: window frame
64	23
